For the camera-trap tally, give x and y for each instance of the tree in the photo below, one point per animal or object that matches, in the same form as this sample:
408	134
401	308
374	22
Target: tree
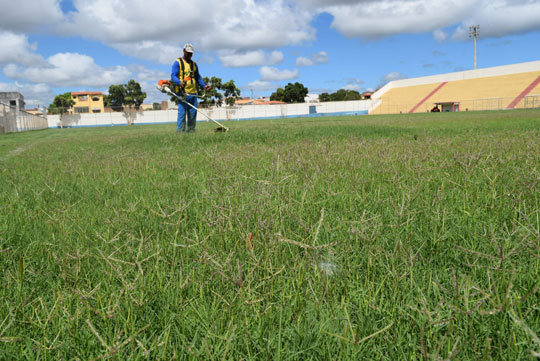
134	94
345	94
61	104
126	97
156	106
325	97
278	95
231	92
295	93
340	95
292	93
121	95
212	96
219	92
116	97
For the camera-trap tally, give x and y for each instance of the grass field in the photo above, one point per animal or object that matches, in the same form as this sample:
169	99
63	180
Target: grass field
405	237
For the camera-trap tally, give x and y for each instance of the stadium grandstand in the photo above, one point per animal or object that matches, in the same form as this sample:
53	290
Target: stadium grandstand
503	87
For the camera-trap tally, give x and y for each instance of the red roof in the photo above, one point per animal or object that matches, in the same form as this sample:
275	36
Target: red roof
86	93
243	101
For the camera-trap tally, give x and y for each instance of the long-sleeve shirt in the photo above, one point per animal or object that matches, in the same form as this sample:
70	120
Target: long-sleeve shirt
189	76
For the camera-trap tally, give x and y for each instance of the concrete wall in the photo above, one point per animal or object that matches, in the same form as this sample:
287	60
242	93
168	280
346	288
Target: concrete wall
14	120
358	107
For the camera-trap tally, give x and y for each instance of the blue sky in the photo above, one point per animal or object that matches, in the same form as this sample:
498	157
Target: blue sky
48	47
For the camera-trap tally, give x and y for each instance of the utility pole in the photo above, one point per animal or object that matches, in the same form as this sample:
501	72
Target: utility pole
474	32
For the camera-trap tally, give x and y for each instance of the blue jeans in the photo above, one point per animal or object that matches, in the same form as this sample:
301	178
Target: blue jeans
183	108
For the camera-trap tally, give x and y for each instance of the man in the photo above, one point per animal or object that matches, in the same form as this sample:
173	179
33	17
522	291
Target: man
185	76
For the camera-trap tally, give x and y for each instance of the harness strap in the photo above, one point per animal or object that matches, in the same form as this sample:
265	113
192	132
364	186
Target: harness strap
193	67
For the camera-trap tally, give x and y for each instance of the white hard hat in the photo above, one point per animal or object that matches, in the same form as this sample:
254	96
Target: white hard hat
188	47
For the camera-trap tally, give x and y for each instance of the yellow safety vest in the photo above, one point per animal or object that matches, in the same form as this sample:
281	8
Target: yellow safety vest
187	74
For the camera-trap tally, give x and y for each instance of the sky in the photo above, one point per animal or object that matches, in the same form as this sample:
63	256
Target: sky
48	47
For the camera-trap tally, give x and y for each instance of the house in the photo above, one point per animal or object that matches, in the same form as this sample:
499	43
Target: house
36	111
87	102
311	98
366	95
13	99
244	101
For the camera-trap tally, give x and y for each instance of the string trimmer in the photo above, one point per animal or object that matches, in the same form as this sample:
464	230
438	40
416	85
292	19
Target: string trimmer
164	86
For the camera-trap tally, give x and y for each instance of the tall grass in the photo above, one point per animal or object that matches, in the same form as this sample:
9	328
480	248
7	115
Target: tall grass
411	237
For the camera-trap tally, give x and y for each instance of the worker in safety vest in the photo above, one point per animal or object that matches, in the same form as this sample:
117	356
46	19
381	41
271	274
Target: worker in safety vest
185	76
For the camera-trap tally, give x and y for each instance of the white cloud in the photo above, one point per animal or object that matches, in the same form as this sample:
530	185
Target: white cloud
16	49
142	73
34	94
371	19
260	85
235	59
303	61
274	74
326	3
152	94
157	51
354	84
148	79
501	17
210	24
395	75
316	59
320	57
461	33
440	35
352	87
276	57
156	31
378	19
69	70
25	15
266	24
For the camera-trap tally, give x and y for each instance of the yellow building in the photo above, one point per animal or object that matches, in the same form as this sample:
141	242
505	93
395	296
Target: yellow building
87	102
146	107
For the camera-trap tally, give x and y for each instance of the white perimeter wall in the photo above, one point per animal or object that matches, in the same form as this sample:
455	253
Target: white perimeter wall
222	113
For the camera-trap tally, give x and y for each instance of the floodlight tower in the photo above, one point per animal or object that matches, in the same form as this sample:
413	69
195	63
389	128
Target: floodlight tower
474	32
